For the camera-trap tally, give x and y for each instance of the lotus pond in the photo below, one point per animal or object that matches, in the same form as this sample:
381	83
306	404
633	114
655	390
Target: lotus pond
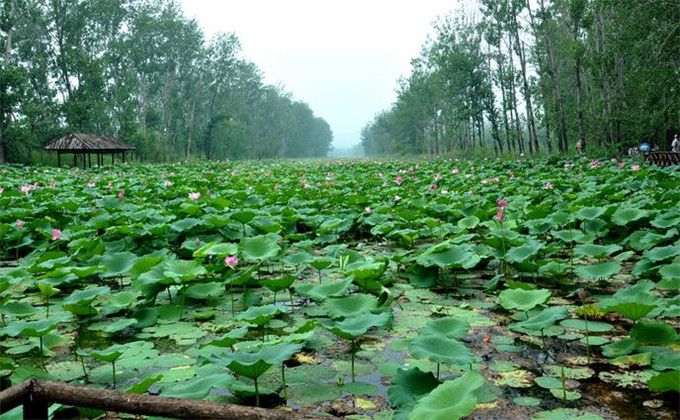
420	289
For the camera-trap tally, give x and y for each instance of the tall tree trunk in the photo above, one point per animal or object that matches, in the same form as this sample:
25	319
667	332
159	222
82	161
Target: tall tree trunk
542	80
533	137
191	129
5	64
562	144
513	100
501	81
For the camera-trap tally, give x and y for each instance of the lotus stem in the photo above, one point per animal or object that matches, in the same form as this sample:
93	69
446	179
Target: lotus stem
564	385
257	394
113	365
283	381
352	352
169	294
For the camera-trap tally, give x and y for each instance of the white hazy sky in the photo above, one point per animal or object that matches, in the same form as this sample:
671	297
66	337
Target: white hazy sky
341	57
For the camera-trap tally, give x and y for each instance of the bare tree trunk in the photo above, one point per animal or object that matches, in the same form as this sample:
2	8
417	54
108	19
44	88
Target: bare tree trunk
513	100
191	129
541	77
5	64
501	77
562	144
533	137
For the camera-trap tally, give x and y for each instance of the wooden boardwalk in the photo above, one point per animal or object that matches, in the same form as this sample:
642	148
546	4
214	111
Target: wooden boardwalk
663	158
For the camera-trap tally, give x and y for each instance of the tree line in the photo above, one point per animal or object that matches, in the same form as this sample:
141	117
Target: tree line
141	71
530	76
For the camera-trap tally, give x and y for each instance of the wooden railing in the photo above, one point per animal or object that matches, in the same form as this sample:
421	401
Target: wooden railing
36	395
663	158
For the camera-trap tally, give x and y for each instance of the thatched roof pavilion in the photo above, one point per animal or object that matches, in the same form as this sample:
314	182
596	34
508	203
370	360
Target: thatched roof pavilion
89	144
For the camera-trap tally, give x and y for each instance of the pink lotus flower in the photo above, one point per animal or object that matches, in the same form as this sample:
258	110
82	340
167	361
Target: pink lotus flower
454	171
502	203
484	181
499	215
2	190
121	194
385	184
433	186
548	186
90	185
167	184
622	165
26	188
635	168
438	177
56	234
195	195
231	261
495	179
277	187
398	180
397	198
368	210
53	183
20	224
197	241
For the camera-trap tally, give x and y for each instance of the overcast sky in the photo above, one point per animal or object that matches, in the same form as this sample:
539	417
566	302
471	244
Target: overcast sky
341	57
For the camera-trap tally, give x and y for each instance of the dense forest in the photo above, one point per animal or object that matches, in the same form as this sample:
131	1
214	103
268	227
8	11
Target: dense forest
536	76
140	70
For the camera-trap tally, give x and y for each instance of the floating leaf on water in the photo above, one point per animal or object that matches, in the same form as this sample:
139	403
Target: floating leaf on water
526	401
592	326
565	395
523	300
566	414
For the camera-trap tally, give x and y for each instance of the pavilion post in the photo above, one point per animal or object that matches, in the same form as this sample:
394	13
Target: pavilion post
89	160
84	161
59	159
75	162
113	158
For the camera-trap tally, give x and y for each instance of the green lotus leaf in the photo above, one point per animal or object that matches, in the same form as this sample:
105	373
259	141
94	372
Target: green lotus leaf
524	252
409	385
624	215
599	271
18	309
143	265
662	253
571	235
321	263
184	269
440	350
590	213
319	292
213	249
654	332
277	285
183	225
451	400
118	264
349	306
204	291
260	248
448	327
596	251
666	381
640	359
455	256
591	326
620	348
356	326
86	296
670	271
523	300
566	414
228	339
244	216
469	222
548	382
33	328
259	315
631	310
299	258
366	270
544	319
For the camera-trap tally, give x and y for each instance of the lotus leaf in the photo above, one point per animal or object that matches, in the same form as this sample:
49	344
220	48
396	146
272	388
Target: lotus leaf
451	400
